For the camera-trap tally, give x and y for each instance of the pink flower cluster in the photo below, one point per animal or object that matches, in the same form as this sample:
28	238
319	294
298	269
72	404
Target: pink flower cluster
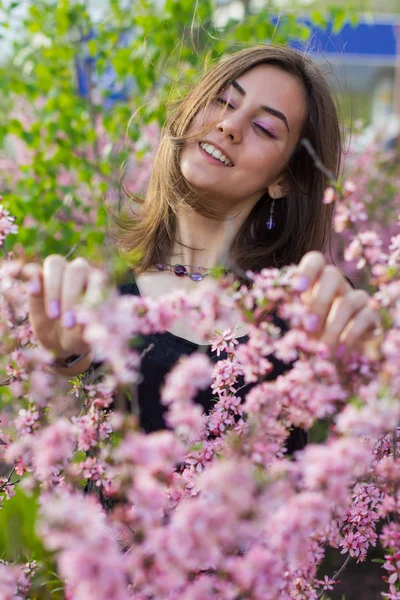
15	580
88	557
7	225
212	507
181	385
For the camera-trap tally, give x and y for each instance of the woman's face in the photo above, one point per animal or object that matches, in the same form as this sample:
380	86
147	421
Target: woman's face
258	120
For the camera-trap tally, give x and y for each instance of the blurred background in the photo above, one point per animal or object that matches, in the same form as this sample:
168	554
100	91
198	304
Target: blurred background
85	87
361	45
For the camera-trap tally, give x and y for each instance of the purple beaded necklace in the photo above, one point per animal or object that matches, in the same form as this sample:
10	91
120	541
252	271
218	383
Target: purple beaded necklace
181	271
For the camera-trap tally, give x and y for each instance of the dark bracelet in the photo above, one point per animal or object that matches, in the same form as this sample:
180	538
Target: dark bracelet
69	361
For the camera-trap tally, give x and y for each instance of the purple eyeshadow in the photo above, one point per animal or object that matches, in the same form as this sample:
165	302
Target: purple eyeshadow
267	128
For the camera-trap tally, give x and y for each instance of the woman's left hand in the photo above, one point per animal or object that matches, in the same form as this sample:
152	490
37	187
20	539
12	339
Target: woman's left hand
338	314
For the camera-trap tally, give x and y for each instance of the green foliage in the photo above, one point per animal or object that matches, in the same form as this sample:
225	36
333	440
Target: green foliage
19	543
17	518
64	151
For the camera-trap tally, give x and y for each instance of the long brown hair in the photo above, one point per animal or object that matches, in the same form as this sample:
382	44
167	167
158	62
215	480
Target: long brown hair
302	221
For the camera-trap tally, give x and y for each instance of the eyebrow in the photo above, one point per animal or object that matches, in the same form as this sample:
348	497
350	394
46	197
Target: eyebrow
272	111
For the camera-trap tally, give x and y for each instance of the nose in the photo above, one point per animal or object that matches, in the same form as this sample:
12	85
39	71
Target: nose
230	127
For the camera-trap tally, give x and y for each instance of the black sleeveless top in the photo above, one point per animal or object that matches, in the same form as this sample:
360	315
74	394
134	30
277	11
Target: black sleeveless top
162	351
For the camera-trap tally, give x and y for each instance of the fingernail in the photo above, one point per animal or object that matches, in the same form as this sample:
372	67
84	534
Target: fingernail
54	309
301	283
68	319
341	351
33	287
311	323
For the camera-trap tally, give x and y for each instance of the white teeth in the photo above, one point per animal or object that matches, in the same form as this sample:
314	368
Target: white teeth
212	151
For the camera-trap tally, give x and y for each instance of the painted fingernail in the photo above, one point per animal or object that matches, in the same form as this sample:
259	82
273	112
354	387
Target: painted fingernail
341	351
311	323
54	309
301	283
68	319
33	287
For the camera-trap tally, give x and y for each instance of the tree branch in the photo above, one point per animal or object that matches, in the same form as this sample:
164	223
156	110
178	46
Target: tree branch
336	575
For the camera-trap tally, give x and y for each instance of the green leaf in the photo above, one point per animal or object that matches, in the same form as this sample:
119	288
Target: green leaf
378	560
92	46
14	126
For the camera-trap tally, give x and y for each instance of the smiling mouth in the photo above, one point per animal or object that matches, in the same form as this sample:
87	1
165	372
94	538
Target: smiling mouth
213	152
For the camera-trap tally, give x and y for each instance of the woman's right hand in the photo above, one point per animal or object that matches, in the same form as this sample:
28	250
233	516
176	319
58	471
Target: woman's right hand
55	290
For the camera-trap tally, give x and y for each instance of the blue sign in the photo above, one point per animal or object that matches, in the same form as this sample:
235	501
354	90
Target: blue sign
364	42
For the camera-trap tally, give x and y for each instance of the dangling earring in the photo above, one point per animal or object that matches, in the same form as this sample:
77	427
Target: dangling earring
270	224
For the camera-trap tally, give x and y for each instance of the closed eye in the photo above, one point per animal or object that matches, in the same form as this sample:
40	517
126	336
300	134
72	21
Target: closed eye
224	101
265	131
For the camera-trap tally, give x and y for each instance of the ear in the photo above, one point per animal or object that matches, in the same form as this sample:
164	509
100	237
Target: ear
279	188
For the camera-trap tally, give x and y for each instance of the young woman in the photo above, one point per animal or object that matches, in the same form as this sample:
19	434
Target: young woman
232	183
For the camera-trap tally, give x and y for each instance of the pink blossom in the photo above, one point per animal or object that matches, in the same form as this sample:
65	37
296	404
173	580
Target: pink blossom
7	225
53	448
251	363
94	573
225	374
7	487
224	341
394	257
310	390
375	417
157	453
366	248
192	373
181	385
27	421
90	429
88	555
392	565
390	536
329	195
359	526
259	571
92	469
334	467
9	576
327	583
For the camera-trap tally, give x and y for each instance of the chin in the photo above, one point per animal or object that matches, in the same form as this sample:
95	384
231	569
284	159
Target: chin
202	179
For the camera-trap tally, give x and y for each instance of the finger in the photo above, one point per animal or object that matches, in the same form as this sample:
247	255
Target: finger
33	274
53	269
343	310
76	274
364	323
309	270
42	327
96	286
90	289
330	285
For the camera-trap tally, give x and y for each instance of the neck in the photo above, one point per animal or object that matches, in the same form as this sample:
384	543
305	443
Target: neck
200	241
